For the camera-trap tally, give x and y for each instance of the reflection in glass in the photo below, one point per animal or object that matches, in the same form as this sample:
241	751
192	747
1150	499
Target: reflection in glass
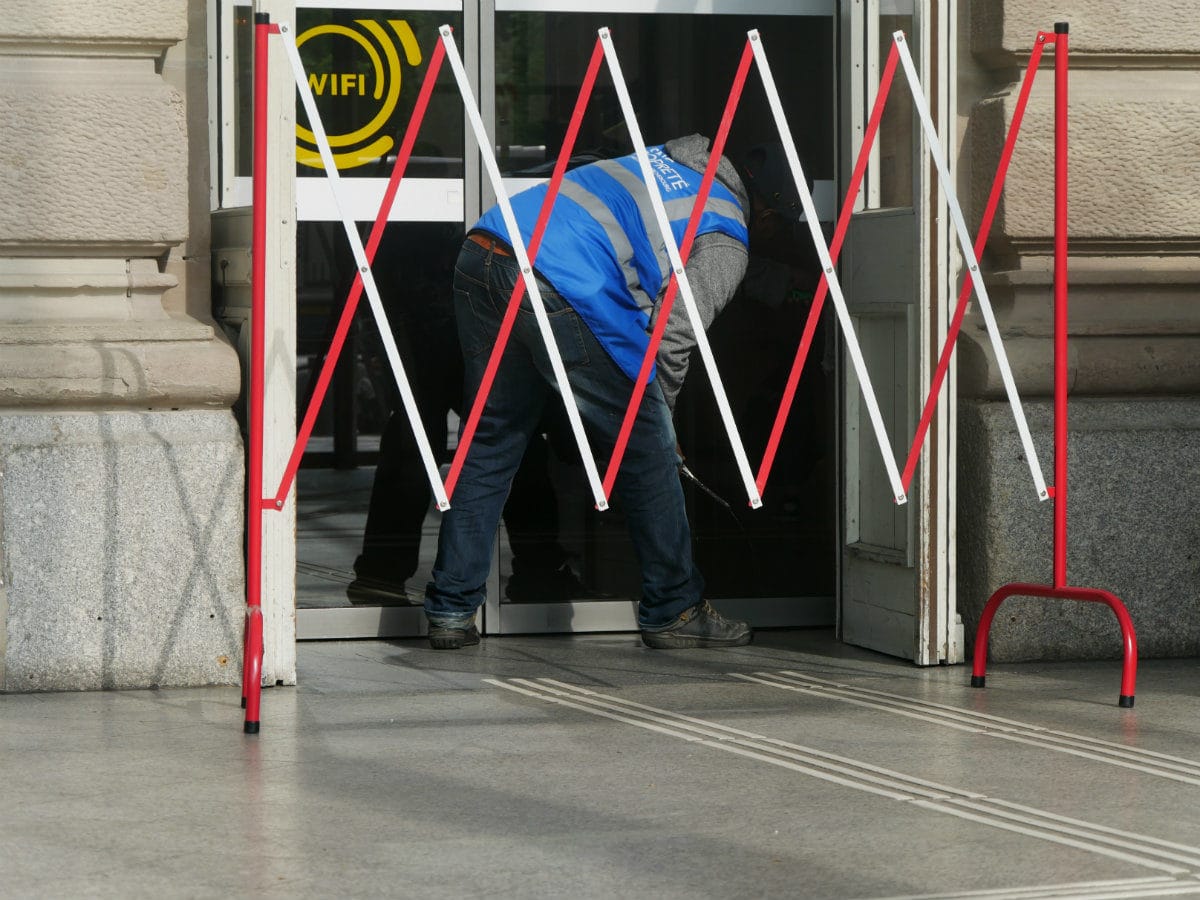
338	484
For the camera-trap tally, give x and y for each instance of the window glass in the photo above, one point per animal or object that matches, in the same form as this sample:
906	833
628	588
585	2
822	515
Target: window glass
678	69
365	69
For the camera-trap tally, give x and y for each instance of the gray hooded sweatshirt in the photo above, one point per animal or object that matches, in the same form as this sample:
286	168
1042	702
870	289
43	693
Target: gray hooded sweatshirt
714	269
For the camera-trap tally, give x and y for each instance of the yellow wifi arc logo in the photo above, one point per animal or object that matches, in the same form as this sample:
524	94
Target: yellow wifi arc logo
362	144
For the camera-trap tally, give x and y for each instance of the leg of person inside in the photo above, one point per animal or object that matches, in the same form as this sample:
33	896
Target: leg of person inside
672	612
483	284
400	493
541	572
400	498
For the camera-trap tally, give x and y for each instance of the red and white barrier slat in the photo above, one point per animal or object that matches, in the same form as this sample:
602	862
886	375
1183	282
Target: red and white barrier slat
518	246
364	267
964	240
685	288
830	276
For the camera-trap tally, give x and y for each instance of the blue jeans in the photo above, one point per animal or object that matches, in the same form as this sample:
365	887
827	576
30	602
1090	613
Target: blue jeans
648	482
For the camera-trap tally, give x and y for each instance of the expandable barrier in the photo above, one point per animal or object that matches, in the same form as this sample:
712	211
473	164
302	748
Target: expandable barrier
678	285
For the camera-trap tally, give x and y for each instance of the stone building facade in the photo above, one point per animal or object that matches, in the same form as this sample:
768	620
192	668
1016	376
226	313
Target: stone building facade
121	473
121	463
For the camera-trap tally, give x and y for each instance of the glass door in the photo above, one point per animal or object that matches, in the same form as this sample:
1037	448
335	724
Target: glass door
366	531
775	565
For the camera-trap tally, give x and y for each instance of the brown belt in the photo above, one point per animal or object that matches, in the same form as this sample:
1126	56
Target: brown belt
487	242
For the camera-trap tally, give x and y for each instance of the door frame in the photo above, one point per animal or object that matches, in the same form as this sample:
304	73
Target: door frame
938	634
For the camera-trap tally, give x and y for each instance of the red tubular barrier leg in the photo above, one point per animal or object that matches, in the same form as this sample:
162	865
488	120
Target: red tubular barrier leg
253	649
1060	304
1088	595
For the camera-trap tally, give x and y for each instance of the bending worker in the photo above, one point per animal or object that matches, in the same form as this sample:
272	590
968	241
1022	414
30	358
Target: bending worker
602	269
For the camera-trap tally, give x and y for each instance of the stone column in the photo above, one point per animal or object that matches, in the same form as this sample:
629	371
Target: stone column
121	476
1134	270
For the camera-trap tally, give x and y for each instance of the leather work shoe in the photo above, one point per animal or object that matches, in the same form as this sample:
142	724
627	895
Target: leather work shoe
450	637
700	626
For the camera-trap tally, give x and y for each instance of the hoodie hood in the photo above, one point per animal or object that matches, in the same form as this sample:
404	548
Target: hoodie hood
692	151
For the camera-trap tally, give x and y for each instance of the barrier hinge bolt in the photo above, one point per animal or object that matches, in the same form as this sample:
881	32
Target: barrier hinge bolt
279	504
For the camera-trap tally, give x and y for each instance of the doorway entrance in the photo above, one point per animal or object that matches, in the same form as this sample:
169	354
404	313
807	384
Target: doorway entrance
776	566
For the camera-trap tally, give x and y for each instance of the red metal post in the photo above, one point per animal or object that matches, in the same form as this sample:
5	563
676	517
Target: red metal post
1060	590
253	648
1060	304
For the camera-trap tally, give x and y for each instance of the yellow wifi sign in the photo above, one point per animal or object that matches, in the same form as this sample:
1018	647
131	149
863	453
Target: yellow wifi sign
362	144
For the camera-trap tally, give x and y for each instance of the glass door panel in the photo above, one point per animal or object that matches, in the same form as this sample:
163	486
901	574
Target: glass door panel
775	565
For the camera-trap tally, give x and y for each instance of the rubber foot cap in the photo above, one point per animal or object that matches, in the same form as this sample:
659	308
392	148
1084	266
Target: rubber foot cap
1125	701
251	728
978	680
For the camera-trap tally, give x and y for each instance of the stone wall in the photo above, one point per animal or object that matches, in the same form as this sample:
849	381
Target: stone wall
120	463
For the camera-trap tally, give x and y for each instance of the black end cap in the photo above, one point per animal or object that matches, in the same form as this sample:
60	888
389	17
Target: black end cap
1125	701
978	681
1061	28
262	18
251	728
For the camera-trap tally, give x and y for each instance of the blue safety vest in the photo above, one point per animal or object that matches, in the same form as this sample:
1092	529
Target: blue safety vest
602	249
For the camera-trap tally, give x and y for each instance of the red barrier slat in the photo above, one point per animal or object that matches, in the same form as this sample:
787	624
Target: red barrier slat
685	247
514	302
985	227
835	247
343	326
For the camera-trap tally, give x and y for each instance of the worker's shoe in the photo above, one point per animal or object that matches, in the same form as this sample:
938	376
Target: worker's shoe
700	626
453	637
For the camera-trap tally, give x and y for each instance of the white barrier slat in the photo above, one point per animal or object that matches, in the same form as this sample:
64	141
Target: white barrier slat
518	245
835	288
364	269
968	250
685	289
